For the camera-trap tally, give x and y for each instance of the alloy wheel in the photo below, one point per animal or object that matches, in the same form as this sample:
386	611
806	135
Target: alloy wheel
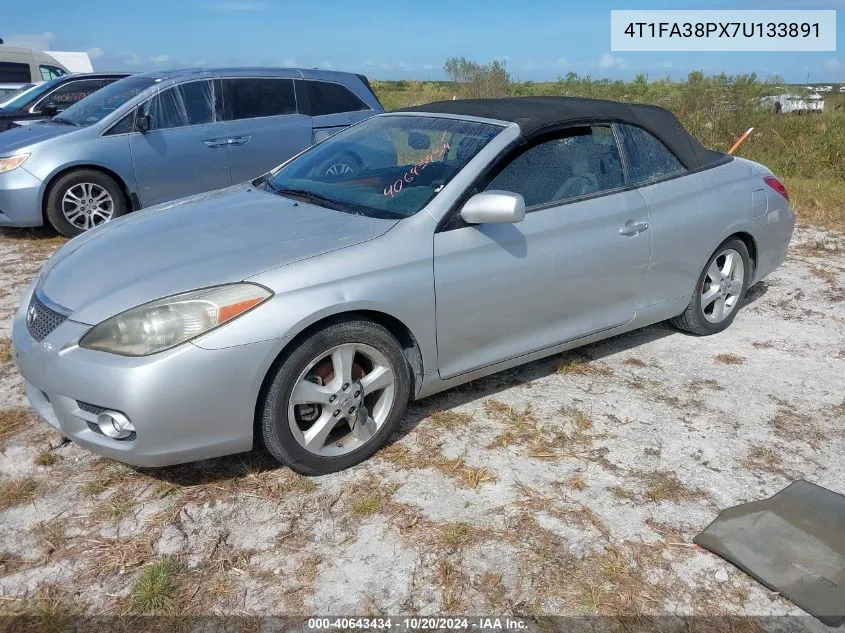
341	399
86	205
721	290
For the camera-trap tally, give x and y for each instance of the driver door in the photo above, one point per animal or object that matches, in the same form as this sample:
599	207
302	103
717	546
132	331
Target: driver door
569	269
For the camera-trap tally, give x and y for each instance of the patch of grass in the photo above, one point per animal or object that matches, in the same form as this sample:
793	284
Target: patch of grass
474	477
156	589
577	482
652	451
452	582
583	367
366	505
763	344
45	458
662	485
5	350
793	426
115	556
308	569
118	506
818	201
763	458
14	492
454	535
704	383
11	421
450	419
726	358
623	493
94	487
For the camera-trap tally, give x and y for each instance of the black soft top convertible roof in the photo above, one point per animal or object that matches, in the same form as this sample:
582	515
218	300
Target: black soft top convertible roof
538	115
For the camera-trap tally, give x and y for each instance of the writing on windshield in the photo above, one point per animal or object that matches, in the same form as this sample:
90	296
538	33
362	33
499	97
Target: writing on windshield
408	176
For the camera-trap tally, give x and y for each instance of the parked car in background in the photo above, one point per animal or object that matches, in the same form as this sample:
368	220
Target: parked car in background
154	137
52	97
309	307
786	103
25	65
9	90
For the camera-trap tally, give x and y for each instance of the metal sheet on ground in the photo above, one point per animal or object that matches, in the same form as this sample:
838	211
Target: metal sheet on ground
793	543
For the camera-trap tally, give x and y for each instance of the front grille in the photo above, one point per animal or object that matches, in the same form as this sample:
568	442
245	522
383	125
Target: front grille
90	408
41	320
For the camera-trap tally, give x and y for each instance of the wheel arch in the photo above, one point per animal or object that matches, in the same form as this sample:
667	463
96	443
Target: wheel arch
751	245
127	195
401	332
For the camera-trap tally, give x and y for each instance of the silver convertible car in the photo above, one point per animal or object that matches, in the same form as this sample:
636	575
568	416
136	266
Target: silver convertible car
303	309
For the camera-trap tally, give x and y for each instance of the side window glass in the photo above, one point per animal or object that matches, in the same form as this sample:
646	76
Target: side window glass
648	158
583	162
67	94
190	103
14	72
330	98
124	126
252	98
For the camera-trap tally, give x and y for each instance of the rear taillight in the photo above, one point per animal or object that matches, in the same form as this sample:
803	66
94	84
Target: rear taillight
777	185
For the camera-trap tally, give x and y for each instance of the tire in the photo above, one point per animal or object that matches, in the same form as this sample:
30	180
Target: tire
703	320
71	219
353	437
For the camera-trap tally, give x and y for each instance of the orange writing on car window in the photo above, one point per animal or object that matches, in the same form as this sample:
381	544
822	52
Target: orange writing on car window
412	173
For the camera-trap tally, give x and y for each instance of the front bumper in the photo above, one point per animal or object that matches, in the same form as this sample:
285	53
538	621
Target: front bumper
187	403
20	199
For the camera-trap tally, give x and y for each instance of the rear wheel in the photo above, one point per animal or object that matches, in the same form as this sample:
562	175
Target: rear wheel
336	399
719	291
82	200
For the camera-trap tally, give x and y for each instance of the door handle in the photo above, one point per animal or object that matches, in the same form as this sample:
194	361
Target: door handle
215	142
631	228
238	140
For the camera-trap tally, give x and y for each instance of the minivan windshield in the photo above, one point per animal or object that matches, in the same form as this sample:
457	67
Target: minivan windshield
386	167
105	101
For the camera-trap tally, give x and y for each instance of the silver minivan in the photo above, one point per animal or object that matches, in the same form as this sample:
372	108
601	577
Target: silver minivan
158	136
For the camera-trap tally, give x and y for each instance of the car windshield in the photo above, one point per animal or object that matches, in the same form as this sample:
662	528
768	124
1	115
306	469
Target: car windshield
25	97
386	167
105	101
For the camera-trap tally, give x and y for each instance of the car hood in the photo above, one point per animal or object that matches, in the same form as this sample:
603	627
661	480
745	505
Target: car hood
20	137
205	240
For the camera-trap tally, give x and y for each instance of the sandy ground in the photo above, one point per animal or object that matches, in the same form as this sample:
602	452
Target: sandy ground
571	485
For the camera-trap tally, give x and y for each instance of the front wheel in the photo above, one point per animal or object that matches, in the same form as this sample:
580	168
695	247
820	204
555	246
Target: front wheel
336	399
719	291
82	200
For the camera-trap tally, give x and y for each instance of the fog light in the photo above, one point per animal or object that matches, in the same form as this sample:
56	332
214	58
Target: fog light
115	425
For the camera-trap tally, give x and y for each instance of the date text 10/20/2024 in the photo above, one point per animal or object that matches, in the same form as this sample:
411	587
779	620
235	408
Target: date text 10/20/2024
419	623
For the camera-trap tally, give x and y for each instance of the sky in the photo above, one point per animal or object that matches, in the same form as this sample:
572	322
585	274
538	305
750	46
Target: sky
540	40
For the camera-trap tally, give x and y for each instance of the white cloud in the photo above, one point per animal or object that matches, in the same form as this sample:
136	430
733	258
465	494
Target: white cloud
608	61
832	64
131	59
160	59
379	65
40	42
239	6
289	61
403	66
95	52
667	65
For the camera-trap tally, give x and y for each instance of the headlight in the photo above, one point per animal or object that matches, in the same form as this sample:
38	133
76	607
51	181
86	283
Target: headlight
11	162
165	323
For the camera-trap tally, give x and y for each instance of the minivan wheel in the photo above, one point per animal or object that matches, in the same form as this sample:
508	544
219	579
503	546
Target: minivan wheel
82	200
719	291
336	399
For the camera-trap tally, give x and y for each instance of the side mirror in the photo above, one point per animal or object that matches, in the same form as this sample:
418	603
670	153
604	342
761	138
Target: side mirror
494	207
49	110
143	123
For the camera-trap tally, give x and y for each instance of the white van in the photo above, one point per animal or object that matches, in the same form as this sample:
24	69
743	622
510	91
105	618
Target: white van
24	65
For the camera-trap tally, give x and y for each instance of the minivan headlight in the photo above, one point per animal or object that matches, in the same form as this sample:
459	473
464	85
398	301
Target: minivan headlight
13	162
159	325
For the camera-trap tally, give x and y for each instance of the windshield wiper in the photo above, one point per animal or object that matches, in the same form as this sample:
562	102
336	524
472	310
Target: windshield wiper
59	119
309	196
